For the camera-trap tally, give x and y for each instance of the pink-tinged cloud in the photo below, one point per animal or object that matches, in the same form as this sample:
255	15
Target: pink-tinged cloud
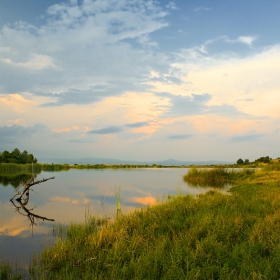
68	129
148	200
65	199
86	200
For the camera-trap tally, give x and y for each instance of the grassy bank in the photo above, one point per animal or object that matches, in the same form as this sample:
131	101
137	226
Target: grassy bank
211	236
52	167
60	167
15	167
216	176
214	236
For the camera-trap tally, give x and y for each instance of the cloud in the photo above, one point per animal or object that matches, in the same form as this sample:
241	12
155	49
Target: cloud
179	136
228	110
117	129
64	199
14	132
186	105
67	129
251	137
248	40
81	141
167	79
248	84
221	45
84	52
197	9
171	5
106	130
16	121
36	62
148	200
137	124
75	96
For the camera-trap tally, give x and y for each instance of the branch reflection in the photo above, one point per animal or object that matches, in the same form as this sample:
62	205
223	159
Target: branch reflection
21	199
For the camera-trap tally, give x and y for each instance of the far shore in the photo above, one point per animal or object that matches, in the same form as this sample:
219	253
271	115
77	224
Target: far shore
38	167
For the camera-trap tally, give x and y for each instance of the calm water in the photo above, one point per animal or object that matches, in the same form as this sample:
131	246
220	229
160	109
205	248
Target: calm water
75	193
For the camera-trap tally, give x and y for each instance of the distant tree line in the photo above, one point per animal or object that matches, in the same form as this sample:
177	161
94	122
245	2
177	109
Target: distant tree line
266	159
17	157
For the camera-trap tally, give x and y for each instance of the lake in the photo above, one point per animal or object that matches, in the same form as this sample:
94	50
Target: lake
75	194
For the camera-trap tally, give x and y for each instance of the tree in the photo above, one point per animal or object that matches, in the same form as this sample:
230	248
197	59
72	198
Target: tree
6	156
17	157
240	161
24	155
266	159
30	158
246	161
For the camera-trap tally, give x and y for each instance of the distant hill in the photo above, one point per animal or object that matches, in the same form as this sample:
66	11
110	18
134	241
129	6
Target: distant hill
117	161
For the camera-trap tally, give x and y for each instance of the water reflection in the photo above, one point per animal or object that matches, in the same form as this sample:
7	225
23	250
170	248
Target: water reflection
214	185
24	211
13	179
75	193
21	199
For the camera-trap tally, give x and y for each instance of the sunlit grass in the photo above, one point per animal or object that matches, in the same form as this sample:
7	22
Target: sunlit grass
15	167
10	271
217	176
210	236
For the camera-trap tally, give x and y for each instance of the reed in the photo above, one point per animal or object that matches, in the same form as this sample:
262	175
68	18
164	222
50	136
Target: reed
118	201
15	167
211	236
9	271
216	176
271	167
55	167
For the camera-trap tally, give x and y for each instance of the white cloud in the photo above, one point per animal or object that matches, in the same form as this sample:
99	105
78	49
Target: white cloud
172	6
197	9
36	62
248	40
82	47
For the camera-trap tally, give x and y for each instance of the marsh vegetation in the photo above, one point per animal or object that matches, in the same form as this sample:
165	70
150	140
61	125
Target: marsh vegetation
213	236
210	236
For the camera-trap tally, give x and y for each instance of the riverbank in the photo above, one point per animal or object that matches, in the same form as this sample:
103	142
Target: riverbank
211	236
38	167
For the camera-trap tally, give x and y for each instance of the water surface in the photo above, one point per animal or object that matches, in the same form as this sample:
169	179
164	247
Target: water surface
75	194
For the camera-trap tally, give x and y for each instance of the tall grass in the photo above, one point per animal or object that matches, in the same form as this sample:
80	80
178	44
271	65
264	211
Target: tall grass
55	167
10	271
271	167
213	236
15	167
216	176
118	201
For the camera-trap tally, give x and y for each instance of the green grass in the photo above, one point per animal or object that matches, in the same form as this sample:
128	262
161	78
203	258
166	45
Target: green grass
15	167
271	167
10	272
216	176
211	236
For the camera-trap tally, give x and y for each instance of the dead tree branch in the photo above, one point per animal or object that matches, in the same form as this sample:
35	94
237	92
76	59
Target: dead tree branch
26	186
23	200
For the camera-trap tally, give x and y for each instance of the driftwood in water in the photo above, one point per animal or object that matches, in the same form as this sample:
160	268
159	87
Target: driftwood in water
22	198
31	216
26	186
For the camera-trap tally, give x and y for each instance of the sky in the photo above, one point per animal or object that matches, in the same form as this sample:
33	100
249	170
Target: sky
191	80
